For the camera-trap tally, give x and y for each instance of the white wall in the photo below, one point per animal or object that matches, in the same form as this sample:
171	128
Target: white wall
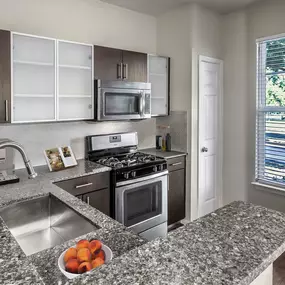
174	37
264	19
89	21
235	105
206	41
183	34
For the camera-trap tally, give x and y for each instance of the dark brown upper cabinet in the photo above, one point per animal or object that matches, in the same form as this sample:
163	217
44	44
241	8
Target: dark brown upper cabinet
107	63
5	76
134	66
115	64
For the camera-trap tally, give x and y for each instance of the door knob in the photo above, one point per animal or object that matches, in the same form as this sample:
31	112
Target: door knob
204	149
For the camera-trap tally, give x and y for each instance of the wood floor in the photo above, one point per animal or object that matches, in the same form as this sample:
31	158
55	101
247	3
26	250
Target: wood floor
279	271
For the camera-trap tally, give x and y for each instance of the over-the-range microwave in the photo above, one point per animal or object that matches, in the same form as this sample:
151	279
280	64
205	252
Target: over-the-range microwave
120	100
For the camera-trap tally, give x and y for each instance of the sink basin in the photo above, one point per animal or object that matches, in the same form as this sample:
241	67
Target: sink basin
43	223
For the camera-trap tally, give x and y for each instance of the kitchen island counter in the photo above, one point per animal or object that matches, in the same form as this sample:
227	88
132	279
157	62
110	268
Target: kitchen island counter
231	246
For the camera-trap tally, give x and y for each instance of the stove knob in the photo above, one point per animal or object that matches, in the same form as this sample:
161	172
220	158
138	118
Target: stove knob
154	169
159	167
133	174
126	175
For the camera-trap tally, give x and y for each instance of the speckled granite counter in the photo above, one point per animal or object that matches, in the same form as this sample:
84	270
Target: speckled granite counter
41	268
163	154
230	246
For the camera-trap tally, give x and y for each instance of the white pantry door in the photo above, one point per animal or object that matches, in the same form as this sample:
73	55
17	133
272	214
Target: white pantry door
210	135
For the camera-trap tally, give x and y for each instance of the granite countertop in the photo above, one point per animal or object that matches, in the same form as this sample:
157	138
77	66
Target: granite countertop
163	154
41	268
231	246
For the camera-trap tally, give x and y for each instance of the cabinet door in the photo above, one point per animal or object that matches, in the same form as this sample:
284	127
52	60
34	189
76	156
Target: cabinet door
80	197
107	63
176	196
33	79
134	66
158	76
5	76
99	199
75	81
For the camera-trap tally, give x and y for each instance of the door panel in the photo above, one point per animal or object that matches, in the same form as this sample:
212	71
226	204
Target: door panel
209	96
107	62
135	66
99	199
176	196
5	76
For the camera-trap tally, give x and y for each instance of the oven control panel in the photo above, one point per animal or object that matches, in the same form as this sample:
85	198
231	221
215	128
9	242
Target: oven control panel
123	175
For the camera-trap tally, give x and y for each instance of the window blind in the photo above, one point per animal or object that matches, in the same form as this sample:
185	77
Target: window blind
270	118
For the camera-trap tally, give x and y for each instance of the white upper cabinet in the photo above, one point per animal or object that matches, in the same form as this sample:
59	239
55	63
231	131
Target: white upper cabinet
158	76
52	80
75	81
33	77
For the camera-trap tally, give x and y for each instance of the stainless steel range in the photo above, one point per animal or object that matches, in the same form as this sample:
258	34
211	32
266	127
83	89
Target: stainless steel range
139	183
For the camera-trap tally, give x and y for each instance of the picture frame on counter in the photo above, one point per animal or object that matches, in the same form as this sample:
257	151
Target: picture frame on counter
60	158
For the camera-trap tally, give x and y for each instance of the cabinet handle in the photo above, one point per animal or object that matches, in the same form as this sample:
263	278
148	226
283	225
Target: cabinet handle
176	164
125	71
6	111
88	200
83	185
119	71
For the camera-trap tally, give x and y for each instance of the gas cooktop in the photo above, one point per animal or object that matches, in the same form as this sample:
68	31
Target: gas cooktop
119	151
129	160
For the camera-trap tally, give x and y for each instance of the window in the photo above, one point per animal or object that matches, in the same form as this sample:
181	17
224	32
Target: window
270	131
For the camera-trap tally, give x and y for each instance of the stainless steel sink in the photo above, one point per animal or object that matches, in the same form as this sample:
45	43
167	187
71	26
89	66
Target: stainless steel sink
43	223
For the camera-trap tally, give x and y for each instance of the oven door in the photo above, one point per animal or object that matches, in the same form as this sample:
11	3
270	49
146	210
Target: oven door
120	104
142	204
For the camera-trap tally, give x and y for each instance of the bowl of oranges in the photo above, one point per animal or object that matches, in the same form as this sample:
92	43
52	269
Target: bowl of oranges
84	257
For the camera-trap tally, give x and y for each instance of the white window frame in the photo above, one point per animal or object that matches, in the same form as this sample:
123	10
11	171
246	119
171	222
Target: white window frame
261	108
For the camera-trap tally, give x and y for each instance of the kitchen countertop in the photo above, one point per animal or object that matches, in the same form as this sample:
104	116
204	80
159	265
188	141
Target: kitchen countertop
231	246
41	268
163	154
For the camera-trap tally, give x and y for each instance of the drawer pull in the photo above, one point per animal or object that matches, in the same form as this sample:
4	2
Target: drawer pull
176	164
88	200
83	185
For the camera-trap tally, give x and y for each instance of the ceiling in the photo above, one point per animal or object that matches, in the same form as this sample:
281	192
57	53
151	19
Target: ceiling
158	7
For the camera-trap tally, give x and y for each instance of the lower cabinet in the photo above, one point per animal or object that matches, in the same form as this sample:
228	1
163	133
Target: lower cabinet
92	189
99	199
176	190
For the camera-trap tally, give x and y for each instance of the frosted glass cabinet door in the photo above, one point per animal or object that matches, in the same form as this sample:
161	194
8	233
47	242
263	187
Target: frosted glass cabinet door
75	81
158	76
33	78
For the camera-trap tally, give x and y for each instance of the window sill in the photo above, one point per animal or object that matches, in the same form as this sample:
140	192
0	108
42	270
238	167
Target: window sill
269	188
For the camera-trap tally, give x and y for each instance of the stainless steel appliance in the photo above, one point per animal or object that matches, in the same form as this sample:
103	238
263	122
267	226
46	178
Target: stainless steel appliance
119	100
139	183
7	175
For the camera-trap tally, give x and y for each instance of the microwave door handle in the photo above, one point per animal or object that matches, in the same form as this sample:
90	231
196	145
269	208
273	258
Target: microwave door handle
141	103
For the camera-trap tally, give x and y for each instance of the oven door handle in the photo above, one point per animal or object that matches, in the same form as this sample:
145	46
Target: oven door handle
142	179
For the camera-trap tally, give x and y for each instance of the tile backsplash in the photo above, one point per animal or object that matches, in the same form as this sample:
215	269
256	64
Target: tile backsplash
178	129
37	137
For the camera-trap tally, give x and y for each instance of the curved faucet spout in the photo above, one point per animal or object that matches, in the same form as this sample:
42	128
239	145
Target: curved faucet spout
5	143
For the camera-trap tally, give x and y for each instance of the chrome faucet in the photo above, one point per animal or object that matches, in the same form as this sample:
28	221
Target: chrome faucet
9	143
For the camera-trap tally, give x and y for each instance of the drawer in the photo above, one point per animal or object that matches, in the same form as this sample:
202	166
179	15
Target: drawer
85	184
176	163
